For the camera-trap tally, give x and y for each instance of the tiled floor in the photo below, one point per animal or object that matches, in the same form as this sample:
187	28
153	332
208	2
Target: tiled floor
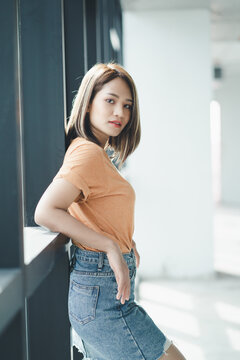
203	317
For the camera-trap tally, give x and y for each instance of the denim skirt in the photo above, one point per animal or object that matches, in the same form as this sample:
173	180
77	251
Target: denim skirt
105	328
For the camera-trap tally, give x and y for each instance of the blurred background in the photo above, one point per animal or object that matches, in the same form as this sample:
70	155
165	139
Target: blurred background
184	56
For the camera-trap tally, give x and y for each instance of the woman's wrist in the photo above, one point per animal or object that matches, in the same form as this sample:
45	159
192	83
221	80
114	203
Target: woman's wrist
112	246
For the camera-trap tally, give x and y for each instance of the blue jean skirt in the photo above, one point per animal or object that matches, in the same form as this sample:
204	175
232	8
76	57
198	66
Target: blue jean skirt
105	328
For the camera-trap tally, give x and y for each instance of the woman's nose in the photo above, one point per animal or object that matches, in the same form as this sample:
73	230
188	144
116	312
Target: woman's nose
118	110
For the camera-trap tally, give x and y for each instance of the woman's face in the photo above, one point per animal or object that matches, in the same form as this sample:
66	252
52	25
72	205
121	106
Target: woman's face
110	110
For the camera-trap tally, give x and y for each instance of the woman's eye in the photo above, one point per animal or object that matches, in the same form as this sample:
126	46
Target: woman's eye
110	101
127	106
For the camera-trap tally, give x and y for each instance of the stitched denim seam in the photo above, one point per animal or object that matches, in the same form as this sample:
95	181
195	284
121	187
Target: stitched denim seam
102	274
135	342
90	273
96	260
88	318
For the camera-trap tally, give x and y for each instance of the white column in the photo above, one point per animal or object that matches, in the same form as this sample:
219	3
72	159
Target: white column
168	55
229	99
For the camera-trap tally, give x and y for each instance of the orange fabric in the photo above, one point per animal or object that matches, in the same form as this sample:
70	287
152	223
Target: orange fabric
106	200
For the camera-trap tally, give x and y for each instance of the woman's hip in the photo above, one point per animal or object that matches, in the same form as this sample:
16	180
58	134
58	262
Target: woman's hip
93	287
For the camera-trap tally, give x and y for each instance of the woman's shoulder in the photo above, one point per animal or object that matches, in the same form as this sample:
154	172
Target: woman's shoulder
83	141
83	145
83	151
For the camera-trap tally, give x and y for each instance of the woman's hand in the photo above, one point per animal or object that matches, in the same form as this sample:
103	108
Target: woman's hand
136	253
121	271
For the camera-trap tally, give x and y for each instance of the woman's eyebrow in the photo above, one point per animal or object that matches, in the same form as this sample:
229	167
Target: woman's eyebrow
118	97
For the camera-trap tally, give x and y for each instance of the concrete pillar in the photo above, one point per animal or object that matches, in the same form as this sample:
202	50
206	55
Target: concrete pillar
168	55
228	97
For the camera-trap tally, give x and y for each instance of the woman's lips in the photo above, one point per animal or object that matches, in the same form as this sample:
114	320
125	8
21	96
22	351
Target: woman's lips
115	124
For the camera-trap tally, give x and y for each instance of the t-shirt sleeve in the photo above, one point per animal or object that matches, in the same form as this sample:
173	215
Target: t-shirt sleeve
83	167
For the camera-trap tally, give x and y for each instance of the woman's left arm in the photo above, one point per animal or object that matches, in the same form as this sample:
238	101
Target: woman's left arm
136	253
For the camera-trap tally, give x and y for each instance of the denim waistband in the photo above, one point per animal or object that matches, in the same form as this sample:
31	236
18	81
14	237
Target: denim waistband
99	257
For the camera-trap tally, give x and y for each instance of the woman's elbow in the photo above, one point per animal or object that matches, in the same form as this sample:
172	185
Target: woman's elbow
43	218
39	217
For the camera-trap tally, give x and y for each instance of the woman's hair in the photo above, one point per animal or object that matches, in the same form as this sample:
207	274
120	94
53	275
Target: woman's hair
79	123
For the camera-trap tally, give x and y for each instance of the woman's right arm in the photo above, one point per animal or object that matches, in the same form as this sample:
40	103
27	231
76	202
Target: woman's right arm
51	212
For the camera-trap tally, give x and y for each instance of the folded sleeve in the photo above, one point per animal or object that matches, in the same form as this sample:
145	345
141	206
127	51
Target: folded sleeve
83	167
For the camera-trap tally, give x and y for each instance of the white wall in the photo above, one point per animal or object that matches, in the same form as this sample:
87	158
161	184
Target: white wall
168	55
228	95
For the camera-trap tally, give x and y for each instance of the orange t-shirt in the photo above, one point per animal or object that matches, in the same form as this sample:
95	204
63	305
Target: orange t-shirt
106	200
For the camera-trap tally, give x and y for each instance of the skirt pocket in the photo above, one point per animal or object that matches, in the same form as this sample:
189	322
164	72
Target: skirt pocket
82	302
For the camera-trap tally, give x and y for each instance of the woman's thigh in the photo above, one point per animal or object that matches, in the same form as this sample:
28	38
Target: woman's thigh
172	353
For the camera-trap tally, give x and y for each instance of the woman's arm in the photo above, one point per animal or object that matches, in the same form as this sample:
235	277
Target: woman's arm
51	212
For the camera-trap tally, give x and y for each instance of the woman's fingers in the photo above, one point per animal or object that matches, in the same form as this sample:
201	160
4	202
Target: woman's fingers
123	293
126	293
123	287
121	271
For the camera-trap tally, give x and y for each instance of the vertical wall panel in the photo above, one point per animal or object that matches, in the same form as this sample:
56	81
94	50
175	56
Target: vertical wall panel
107	52
74	48
43	96
10	210
91	32
117	24
49	326
11	340
109	16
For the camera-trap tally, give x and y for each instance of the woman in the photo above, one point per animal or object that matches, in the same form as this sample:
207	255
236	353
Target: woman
90	202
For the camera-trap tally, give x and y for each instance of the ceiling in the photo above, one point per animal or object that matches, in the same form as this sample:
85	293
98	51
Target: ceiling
225	23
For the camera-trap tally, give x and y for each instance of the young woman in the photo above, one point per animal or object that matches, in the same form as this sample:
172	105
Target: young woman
90	202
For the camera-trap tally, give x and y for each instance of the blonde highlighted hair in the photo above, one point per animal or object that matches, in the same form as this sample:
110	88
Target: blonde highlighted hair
79	125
